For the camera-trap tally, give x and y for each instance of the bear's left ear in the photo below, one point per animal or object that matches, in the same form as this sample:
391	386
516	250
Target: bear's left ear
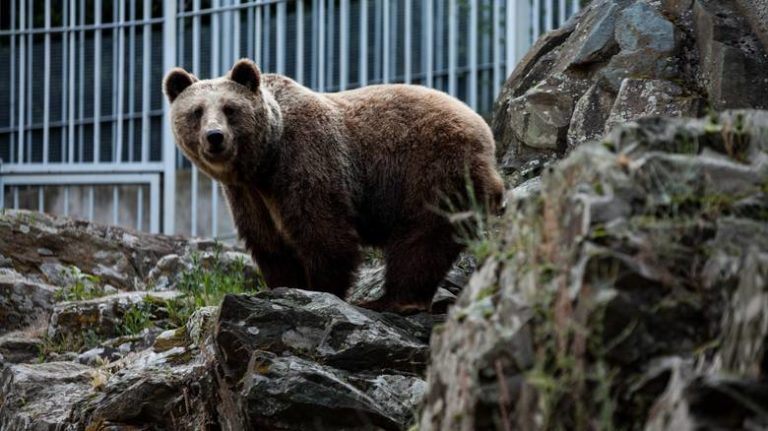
176	81
245	72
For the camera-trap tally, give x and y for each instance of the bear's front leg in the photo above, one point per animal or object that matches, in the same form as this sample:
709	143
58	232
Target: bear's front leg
331	270
329	249
281	268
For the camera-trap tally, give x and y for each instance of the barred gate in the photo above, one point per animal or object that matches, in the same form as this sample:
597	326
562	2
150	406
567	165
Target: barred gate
83	133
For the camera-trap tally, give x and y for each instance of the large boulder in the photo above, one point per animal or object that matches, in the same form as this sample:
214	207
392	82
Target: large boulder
628	291
45	247
23	302
294	359
623	60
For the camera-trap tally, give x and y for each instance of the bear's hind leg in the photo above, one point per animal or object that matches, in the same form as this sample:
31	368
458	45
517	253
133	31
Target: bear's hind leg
416	262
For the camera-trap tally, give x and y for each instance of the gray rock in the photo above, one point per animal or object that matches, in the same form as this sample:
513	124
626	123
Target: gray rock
590	115
41	396
317	326
292	393
641	26
634	250
756	12
22	302
733	61
599	40
104	316
307	359
34	242
19	347
641	98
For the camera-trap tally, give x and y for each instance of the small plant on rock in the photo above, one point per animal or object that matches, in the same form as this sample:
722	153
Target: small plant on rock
83	286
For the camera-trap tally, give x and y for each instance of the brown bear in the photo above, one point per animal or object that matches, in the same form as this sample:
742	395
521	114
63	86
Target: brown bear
311	177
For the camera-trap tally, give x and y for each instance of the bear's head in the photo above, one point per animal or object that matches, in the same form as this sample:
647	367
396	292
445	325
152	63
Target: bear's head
226	126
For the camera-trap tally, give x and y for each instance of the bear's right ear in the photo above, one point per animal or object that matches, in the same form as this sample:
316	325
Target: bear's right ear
245	72
176	81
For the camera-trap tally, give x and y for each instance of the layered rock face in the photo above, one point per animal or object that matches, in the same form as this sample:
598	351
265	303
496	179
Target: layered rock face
104	328
621	60
629	292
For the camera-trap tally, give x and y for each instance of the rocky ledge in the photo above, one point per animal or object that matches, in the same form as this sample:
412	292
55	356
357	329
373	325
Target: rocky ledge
104	328
629	290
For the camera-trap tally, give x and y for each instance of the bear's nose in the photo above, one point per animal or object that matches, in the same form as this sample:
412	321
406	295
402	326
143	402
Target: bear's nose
215	138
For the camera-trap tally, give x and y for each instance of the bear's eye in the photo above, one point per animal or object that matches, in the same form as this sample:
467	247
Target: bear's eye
228	110
198	112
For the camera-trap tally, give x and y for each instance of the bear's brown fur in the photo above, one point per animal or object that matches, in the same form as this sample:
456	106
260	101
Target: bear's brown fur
311	177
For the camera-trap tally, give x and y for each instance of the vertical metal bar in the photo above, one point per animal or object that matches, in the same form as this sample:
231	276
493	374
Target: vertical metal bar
81	88
120	77
237	53
343	44
511	39
300	41
562	12
249	32
258	39
16	197
169	149
330	44
28	144
377	24
536	19
12	87
154	206
282	24
40	199
392	51
22	78
574	6
385	40
146	69
71	91
90	203
66	200
2	193
549	21
115	205
453	56
363	78
47	82
64	141
215	70
407	51
496	42
439	48
196	71
472	51
321	46
97	84
266	51
131	79
429	43
140	208
214	208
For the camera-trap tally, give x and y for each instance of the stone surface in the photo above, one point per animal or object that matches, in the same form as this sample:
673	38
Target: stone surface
733	61
22	301
623	60
105	316
33	242
31	394
629	293
641	98
307	359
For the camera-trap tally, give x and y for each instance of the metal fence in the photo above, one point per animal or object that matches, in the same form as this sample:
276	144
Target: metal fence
82	131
